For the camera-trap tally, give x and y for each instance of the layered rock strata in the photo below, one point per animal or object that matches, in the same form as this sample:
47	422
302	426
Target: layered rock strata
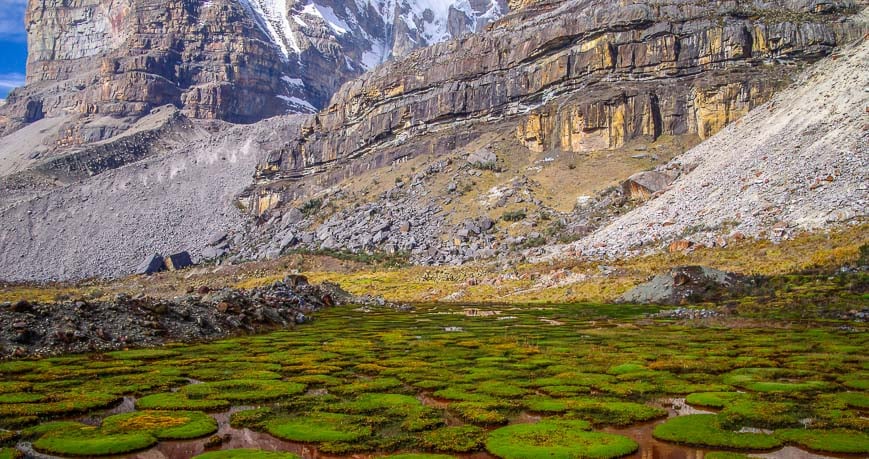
578	76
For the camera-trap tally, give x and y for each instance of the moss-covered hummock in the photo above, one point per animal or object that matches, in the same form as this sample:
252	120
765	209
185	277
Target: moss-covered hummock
122	433
704	430
558	440
833	441
319	427
180	401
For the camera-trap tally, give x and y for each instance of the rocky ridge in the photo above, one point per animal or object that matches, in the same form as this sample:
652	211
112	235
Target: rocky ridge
35	329
575	79
578	76
797	163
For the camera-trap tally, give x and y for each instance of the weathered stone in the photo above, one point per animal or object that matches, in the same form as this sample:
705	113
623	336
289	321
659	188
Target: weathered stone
178	261
153	264
643	185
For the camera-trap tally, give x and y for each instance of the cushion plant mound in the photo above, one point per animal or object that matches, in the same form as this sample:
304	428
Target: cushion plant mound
164	425
703	430
89	441
556	439
833	441
179	401
246	454
243	390
775	386
318	427
713	399
855	399
392	404
459	439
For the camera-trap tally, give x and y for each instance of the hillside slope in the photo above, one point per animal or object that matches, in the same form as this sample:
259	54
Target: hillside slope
799	162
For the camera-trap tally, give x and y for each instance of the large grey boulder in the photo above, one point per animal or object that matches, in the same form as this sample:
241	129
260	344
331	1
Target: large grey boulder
152	264
643	185
685	284
178	261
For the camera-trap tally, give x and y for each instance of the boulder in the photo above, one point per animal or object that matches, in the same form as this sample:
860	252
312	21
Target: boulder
178	261
482	158
686	284
643	185
153	264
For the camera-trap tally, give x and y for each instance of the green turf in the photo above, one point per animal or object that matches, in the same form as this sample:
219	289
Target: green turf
704	430
556	439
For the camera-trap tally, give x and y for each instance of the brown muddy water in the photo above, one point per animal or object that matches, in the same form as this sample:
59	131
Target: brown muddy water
650	448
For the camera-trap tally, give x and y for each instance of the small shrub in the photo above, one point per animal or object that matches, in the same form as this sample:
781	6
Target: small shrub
514	216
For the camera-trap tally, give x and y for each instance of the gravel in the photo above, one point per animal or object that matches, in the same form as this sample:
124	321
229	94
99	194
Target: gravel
799	162
104	226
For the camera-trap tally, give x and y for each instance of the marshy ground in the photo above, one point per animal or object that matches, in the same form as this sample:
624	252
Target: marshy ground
511	381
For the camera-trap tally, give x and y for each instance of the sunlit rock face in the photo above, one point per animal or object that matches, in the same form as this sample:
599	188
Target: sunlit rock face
580	76
235	60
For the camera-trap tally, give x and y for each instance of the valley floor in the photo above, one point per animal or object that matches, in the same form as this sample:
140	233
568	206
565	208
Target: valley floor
474	381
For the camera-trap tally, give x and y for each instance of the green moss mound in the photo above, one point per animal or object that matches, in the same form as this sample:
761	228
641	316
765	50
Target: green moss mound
10	453
557	440
458	439
163	425
318	427
713	399
832	441
179	401
704	430
246	453
88	441
243	390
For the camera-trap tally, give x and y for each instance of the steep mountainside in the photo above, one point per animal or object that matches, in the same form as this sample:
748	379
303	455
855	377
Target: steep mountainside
495	145
235	60
799	162
530	123
327	42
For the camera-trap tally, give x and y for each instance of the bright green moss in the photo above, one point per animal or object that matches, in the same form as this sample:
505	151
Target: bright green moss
459	439
179	401
243	390
21	397
10	453
88	441
556	439
704	430
833	441
752	413
855	399
318	427
164	425
252	418
714	399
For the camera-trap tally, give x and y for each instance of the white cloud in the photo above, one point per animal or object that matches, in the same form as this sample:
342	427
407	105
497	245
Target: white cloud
11	80
12	20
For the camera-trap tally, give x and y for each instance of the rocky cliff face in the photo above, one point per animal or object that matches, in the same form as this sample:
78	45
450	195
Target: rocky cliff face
125	57
235	60
569	98
328	42
580	76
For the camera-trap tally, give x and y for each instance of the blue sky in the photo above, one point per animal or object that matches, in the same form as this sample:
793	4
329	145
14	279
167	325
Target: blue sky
13	45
